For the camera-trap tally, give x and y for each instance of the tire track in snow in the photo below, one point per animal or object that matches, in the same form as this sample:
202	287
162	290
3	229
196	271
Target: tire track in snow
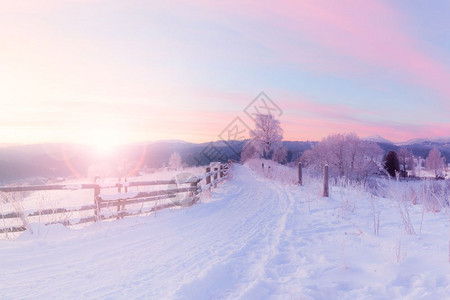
220	249
242	267
255	239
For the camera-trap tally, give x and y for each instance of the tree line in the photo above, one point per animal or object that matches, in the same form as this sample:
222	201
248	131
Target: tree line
347	155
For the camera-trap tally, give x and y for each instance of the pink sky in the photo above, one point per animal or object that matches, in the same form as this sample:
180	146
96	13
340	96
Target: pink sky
136	70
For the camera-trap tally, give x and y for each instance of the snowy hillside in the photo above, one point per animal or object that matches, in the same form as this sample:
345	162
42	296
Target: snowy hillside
378	139
254	238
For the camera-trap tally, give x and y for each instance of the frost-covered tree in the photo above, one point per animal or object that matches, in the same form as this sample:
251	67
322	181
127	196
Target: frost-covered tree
249	151
412	165
308	158
405	159
175	161
435	162
391	163
367	160
346	155
280	154
267	135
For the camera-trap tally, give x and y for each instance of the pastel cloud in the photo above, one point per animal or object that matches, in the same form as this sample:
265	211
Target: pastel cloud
374	33
316	121
367	32
317	128
184	70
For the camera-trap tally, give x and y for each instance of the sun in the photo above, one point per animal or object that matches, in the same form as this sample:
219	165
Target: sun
104	141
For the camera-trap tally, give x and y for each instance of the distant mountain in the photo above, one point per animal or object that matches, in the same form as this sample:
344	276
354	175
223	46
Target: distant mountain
377	139
419	147
25	163
441	140
422	147
42	162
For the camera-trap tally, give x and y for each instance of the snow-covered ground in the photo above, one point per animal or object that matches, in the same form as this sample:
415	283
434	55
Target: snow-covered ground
255	238
73	197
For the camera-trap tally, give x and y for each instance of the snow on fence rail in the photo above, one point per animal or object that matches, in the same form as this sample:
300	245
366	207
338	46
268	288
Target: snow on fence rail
115	206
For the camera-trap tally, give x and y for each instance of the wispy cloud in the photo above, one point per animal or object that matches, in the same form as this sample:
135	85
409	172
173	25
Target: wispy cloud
185	70
341	36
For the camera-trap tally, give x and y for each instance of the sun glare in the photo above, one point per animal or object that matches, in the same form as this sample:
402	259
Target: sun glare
104	141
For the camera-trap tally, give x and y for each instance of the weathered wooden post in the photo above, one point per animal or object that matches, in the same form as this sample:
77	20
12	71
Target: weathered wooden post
226	167
118	208
96	201
300	179
326	192
215	176
119	190
208	176
193	193
121	202
221	171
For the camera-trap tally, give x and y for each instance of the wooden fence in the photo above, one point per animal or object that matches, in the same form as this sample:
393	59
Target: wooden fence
118	205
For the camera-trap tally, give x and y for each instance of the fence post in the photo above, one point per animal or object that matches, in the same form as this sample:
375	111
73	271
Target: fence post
208	177
96	202
194	192
326	192
119	190
221	171
215	176
118	208
227	168
120	202
126	185
300	179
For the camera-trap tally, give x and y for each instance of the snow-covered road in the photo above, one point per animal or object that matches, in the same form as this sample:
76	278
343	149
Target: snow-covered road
254	239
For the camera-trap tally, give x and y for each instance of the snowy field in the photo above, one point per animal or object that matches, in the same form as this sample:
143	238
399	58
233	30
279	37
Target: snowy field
73	198
254	238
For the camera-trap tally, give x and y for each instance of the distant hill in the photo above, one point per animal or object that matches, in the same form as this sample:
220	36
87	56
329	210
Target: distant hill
441	140
40	162
377	139
422	148
419	147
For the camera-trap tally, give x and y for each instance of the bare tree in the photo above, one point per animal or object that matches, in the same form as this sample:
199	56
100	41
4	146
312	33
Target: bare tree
175	161
249	151
307	158
404	158
367	161
434	162
279	154
412	165
267	135
346	154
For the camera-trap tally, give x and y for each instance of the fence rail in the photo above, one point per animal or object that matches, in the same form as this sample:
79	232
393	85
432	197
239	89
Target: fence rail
121	201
